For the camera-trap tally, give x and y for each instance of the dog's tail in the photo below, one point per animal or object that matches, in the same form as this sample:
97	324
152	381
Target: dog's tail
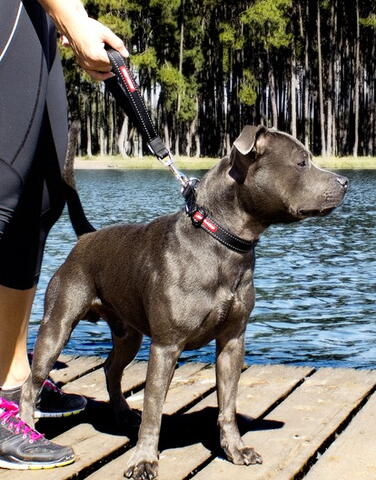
80	223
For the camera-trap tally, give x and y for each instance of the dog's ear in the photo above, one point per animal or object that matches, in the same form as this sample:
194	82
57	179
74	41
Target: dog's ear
243	148
246	141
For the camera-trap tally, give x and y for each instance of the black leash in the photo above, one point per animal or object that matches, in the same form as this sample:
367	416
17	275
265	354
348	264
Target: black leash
127	93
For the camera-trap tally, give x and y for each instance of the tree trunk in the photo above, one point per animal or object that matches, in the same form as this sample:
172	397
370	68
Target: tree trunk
111	129
306	83
307	118
357	83
293	93
177	141
321	93
166	133
181	55
140	146
195	131
337	79
330	99
123	138
273	97
89	152
198	145
102	141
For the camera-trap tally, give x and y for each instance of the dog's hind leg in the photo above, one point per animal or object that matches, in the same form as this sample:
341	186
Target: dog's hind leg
67	300
230	354
125	348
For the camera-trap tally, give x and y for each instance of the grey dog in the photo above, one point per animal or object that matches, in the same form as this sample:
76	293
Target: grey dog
178	285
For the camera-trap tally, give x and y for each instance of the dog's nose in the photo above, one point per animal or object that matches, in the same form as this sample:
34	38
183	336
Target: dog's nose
343	181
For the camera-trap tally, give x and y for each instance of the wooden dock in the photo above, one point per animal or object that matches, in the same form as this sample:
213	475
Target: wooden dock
306	423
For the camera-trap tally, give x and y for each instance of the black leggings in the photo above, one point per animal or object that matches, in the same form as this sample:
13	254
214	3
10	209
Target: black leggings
33	136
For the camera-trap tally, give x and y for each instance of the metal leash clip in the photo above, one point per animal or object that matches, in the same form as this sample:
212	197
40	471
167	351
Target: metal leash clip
180	176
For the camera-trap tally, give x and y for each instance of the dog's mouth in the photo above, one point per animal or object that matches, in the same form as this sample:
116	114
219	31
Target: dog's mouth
315	212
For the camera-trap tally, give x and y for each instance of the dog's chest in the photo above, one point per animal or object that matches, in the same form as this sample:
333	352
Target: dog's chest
210	314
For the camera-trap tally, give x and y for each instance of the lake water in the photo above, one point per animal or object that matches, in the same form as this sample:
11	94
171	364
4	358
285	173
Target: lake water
315	280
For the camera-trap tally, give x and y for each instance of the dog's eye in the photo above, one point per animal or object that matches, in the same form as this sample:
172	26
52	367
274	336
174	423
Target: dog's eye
303	163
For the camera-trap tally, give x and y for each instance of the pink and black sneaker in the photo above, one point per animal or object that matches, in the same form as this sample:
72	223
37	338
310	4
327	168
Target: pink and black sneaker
52	402
22	448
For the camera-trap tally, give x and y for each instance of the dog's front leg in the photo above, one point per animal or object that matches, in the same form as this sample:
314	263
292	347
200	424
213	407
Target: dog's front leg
144	462
230	354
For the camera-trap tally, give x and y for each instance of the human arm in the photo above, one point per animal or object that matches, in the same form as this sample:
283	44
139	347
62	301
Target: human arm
86	36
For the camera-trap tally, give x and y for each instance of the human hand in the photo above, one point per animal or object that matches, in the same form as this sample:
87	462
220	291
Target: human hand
88	43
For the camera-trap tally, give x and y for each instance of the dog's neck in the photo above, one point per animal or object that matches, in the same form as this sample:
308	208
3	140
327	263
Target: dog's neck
218	193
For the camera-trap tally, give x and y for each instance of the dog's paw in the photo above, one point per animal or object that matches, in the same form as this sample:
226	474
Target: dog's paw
142	471
244	456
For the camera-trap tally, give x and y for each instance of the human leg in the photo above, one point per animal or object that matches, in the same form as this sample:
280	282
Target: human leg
21	250
21	254
15	307
22	230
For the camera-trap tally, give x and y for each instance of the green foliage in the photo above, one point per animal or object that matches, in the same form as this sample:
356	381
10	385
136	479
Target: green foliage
112	13
195	57
171	78
247	92
325	4
227	34
166	4
231	41
166	7
369	21
146	59
187	110
231	50
116	23
270	20
76	79
172	83
226	60
119	5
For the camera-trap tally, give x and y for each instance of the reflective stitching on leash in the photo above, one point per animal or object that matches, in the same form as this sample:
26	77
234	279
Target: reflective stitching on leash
132	99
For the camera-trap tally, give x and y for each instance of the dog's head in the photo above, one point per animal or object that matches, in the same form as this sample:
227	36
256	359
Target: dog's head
277	180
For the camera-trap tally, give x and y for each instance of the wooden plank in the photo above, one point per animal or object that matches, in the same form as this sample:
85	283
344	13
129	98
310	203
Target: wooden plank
189	383
90	446
173	468
186	370
69	368
258	385
93	385
309	415
259	388
353	454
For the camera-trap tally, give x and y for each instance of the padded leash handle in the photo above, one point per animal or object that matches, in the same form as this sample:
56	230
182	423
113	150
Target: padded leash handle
126	92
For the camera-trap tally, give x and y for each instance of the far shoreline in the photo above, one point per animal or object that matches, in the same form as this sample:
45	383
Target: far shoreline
192	163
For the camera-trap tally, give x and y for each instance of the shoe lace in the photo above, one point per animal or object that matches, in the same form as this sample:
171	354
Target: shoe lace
9	415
